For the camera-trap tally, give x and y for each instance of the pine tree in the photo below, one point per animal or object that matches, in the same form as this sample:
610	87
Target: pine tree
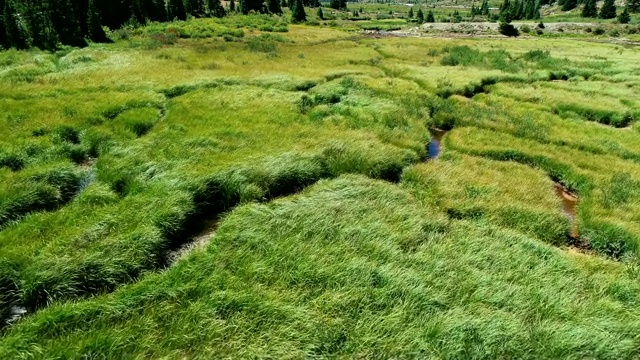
411	13
215	8
154	10
590	10
176	10
320	14
484	9
506	12
608	10
65	23
3	30
297	12
195	8
338	4
420	16
94	29
430	17
624	17
274	7
250	5
569	5
42	32
232	6
16	36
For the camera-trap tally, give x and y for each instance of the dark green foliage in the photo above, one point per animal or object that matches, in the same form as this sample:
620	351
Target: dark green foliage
590	10
45	191
297	12
16	35
251	5
215	8
633	5
624	16
320	14
410	15
4	43
338	4
508	29
176	10
94	29
232	6
520	10
608	10
195	8
430	18
14	162
274	7
569	5
420	16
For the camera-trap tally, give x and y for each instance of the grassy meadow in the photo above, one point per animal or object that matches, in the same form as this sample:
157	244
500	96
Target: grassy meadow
296	157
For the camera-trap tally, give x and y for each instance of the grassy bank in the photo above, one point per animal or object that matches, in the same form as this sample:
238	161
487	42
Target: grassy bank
335	237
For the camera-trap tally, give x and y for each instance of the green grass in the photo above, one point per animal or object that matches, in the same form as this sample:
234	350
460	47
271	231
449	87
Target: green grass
353	266
335	238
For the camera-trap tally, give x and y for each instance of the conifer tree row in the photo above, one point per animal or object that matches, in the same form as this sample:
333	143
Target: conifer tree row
48	23
520	10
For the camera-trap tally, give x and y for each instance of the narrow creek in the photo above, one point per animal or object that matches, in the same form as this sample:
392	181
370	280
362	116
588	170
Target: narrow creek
198	241
569	200
569	205
435	144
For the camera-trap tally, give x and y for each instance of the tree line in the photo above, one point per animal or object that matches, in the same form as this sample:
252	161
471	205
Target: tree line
48	23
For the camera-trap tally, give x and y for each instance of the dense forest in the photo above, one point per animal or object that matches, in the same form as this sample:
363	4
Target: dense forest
48	23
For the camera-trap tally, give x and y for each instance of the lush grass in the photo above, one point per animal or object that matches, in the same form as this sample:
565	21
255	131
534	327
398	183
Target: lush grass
113	156
353	266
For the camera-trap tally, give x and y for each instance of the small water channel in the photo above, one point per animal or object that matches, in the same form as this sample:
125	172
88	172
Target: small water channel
569	205
435	144
198	241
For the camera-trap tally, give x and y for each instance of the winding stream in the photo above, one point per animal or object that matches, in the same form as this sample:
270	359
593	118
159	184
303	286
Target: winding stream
569	204
434	146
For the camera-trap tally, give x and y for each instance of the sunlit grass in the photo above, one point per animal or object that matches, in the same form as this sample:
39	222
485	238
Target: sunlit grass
114	155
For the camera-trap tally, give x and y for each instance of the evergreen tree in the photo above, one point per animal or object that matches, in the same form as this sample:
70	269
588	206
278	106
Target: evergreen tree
3	30
232	6
608	10
320	14
624	17
430	17
633	5
38	21
484	9
94	29
590	10
250	5
65	23
569	5
16	36
297	12
195	8
154	10
215	8
283	4
176	10
411	13
536	9
338	4
274	7
506	12
420	16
